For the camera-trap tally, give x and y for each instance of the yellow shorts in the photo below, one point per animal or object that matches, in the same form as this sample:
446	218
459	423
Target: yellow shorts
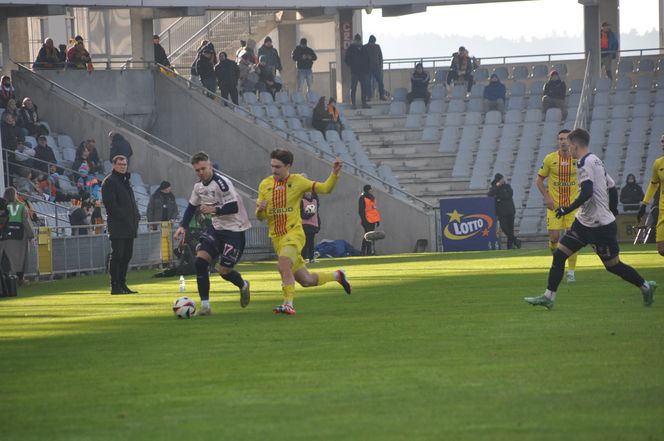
659	237
564	223
293	239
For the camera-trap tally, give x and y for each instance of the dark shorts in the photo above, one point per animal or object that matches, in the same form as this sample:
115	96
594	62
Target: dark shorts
603	239
227	245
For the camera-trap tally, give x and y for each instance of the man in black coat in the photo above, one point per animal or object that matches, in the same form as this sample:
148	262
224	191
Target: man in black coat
44	155
122	220
357	59
119	147
228	74
505	210
159	52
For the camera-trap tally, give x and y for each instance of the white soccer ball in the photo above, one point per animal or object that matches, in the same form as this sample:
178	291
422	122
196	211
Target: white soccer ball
184	307
310	209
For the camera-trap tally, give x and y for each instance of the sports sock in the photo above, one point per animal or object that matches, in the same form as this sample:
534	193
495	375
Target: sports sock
203	278
235	278
551	295
553	246
645	287
289	293
205	304
627	273
324	278
571	262
557	270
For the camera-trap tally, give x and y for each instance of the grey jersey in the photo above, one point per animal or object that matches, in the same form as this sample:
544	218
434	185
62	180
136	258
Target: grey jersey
216	193
595	211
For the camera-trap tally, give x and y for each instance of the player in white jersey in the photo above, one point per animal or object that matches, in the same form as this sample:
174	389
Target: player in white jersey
215	195
595	224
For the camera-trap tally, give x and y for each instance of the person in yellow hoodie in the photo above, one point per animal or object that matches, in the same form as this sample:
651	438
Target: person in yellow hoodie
279	199
656	184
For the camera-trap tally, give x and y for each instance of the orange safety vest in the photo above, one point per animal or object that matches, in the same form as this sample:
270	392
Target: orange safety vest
604	40
371	212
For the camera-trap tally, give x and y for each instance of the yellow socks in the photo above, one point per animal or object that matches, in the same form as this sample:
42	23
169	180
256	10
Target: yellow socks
289	293
324	278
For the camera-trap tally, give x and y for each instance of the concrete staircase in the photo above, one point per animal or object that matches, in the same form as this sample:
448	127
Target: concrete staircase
421	169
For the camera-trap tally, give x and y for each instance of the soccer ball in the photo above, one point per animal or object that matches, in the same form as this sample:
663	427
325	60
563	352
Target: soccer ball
184	307
310	209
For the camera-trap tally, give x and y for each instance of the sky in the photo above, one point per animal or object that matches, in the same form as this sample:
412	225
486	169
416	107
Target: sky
507	23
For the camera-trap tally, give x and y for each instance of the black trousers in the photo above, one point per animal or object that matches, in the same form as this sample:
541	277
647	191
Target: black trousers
308	250
507	225
226	91
362	80
454	76
367	246
121	252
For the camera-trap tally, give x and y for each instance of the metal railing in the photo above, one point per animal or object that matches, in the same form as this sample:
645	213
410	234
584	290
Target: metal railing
583	110
119	122
288	135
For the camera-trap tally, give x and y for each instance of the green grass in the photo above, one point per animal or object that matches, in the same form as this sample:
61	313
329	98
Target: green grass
428	347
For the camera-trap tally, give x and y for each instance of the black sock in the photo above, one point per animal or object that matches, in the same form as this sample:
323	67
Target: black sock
203	278
627	273
557	270
235	278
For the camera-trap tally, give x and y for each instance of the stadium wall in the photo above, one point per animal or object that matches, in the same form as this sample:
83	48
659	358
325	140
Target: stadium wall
193	122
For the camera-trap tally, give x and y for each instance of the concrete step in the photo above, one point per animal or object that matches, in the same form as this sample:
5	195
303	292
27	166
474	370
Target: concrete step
377	108
364	124
401	149
408	176
440	185
390	136
416	163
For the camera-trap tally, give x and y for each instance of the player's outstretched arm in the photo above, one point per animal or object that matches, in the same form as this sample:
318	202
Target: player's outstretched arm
261	212
331	181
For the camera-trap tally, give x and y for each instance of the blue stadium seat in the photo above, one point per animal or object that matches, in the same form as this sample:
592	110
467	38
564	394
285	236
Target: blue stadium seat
400	94
477	91
433	120
493	117
540	71
624	83
513	117
453	119
414	121
456	106
646	65
397	108
430	134
518	89
476	105
282	97
641	110
576	85
273	111
644	83
249	98
553	114
481	74
622	97
625	66
266	98
288	111
437	106
438	92
440	76
620	112
603	85
332	136
561	68
502	73
520	72
516	103
473	119
258	111
600	113
417	107
294	124
536	87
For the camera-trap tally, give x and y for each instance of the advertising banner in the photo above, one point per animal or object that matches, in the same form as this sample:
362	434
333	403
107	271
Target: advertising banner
468	224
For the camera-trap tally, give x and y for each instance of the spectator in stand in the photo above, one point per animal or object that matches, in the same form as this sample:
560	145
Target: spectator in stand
271	55
462	67
505	209
419	85
356	58
6	91
555	94
321	118
609	46
250	49
631	194
195	78
28	119
44	155
24	155
248	78
87	151
160	56
12	108
11	138
80	216
310	223
369	216
266	80
375	55
77	56
62	55
304	58
241	50
19	233
57	193
119	146
228	74
334	115
494	95
205	69
23	182
162	206
87	184
48	56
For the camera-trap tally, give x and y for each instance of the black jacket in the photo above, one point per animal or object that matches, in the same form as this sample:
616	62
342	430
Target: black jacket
375	55
504	202
631	196
158	200
555	89
121	209
120	146
205	68
160	55
227	73
300	61
357	59
46	154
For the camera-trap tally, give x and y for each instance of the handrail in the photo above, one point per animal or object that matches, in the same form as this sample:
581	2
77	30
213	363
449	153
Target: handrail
161	34
289	136
172	58
586	91
253	193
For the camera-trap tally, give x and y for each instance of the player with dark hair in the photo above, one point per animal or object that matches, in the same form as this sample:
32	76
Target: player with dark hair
559	168
655	182
595	224
215	195
279	199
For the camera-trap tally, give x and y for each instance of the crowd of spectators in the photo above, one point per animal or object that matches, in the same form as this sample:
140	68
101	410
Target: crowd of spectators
366	69
72	56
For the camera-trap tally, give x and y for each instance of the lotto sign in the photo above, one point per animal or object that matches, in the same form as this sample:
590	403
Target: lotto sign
468	224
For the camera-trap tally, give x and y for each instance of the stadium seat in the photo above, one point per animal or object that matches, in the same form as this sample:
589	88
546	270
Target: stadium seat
453	119
294	124
65	142
301	135
456	106
520	72
280	123
576	85
266	98
475	105
414	121
437	106
449	140
561	68
493	117
620	111
258	111
624	83
477	91
540	71
249	98
273	111
625	66
603	85
473	119
622	97
69	154
600	113
536	87
573	101
533	115
516	103
502	73
481	74
282	97
400	94
348	135
260	122
553	114
298	98
638	130
288	111
659	109
601	99
644	83
52	142
417	107
513	117
438	92
430	134
305	111
312	97
534	102
459	92
433	120
397	108
319	141
242	111
641	110
440	76
31	141
646	65
518	89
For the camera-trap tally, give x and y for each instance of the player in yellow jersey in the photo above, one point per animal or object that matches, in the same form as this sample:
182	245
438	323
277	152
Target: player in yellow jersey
656	181
559	168
279	199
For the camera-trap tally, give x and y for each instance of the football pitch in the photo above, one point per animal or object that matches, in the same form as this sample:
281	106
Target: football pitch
428	347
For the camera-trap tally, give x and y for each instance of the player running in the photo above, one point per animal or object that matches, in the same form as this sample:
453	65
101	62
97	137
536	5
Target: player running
560	169
655	181
279	199
215	195
595	224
